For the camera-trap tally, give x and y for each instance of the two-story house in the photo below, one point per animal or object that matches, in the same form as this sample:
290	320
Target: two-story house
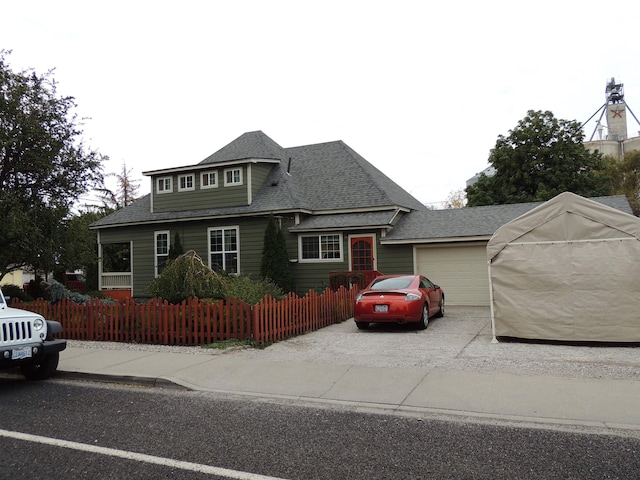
338	213
334	208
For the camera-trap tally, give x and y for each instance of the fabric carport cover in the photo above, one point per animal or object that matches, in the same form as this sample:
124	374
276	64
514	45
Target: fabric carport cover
567	270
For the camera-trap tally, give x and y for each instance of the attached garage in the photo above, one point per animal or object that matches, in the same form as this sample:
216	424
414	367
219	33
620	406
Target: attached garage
460	269
568	270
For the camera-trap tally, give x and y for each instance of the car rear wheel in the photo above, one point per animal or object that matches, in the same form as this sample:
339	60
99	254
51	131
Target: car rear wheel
362	325
424	319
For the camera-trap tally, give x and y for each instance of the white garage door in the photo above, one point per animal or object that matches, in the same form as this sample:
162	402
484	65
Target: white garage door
461	271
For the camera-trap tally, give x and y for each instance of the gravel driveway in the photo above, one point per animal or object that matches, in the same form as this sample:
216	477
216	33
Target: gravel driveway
462	340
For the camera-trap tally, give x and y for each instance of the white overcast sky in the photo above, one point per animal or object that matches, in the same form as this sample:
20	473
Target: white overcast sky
420	89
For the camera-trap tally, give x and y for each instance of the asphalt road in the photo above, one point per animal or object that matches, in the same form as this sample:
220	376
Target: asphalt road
85	430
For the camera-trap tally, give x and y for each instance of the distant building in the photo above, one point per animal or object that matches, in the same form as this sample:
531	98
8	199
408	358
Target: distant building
13	278
613	139
490	171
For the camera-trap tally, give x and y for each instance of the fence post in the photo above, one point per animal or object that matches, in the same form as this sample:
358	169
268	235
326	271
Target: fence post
257	334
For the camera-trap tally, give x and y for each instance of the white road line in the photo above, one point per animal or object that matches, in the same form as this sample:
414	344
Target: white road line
138	457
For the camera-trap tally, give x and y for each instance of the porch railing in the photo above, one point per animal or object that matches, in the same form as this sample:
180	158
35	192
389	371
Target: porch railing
352	278
116	280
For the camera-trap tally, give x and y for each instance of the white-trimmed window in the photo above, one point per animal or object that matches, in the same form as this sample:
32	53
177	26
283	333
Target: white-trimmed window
321	248
164	185
232	176
224	249
161	253
185	182
209	179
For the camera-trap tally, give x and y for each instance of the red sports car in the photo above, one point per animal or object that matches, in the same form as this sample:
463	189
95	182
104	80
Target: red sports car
399	299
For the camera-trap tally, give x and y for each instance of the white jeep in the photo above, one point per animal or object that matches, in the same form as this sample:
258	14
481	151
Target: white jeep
26	341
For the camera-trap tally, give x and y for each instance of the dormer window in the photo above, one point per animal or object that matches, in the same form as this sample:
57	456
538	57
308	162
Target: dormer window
185	182
232	176
209	180
164	185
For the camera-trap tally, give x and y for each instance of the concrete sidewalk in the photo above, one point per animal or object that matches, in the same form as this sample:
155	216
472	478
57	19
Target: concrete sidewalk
552	401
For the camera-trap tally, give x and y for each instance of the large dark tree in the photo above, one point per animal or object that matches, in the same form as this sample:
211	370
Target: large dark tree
78	247
625	178
44	167
275	258
539	159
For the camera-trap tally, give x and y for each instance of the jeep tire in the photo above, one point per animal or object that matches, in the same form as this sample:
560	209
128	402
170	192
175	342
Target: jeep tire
42	369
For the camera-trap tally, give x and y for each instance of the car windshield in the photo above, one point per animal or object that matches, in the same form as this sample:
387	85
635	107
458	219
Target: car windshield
392	283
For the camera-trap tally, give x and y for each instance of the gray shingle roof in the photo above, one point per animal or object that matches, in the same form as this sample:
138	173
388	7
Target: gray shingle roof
248	145
333	176
467	223
140	212
320	177
346	220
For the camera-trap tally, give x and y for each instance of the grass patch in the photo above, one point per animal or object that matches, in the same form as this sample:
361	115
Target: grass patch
232	342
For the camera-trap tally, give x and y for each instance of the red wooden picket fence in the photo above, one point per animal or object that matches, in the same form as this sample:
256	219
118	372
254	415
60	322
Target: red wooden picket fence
197	322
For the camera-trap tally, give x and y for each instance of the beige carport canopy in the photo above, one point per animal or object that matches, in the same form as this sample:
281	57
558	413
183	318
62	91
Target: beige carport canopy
567	270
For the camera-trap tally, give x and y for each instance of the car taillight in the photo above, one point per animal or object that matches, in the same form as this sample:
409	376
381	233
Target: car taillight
411	297
359	297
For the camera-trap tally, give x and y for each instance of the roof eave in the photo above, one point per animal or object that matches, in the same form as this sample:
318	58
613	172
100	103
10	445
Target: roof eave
208	166
382	208
198	218
418	241
334	229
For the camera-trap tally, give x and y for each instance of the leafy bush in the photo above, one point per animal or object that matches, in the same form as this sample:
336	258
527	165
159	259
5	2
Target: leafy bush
252	291
14	291
188	276
36	289
58	291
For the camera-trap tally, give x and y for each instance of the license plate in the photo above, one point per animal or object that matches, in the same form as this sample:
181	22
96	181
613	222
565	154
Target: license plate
18	353
381	308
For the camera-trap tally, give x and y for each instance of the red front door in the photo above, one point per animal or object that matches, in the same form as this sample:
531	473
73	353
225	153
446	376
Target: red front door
361	254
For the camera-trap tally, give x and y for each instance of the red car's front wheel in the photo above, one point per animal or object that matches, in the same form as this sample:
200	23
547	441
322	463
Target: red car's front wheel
441	311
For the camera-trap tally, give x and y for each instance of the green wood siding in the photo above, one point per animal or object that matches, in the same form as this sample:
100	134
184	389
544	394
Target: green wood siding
315	275
259	173
193	236
200	198
391	259
395	259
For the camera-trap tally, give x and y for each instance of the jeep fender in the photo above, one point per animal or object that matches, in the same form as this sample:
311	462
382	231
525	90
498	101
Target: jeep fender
53	327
